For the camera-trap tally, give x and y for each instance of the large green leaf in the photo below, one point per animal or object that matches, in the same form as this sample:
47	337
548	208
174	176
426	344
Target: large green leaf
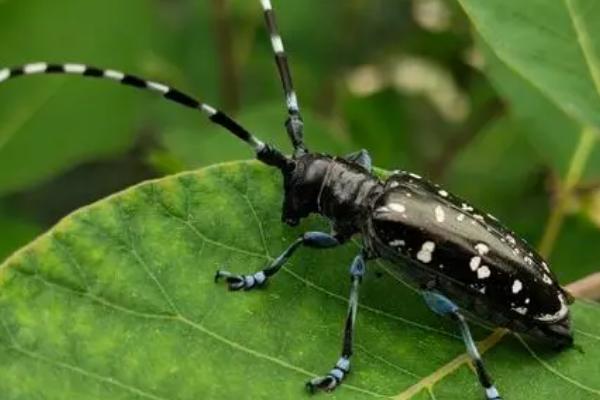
118	301
554	45
554	134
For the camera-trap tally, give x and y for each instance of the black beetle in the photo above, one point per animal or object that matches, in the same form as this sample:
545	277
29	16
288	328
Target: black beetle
461	258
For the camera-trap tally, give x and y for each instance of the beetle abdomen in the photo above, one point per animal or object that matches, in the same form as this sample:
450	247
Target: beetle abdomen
448	239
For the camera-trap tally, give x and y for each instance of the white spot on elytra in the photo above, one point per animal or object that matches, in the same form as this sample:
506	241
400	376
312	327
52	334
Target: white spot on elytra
528	260
397	207
460	217
440	215
474	263
394	184
397	242
483	272
527	300
492	217
511	240
482	248
443	193
424	255
415	176
545	266
521	310
547	280
560	314
441	266
478	217
517	286
466	207
482	290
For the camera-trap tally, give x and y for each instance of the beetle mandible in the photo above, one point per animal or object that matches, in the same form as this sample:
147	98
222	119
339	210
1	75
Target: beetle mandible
461	258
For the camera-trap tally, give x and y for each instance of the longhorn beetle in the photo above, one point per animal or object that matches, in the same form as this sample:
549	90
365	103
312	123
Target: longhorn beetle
462	258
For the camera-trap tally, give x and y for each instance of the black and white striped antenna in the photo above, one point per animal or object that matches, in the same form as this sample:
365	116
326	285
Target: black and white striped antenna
294	123
214	115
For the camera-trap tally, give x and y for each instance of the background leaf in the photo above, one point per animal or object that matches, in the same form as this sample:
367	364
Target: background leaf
554	46
554	137
41	118
104	307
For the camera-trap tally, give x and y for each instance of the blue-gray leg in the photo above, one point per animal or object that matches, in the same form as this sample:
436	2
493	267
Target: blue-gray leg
361	157
317	240
444	306
330	381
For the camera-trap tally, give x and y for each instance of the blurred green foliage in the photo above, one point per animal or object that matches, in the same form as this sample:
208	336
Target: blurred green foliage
409	80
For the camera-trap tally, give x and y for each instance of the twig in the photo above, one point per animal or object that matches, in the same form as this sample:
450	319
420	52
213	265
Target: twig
586	288
576	168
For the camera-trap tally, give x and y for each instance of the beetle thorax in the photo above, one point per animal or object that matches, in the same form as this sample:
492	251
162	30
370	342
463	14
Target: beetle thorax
335	188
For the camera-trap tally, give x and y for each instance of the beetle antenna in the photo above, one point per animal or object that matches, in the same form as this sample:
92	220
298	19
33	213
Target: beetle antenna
294	123
267	154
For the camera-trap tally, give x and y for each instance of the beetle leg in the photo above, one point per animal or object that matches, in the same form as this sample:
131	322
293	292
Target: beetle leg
362	158
444	306
330	381
318	240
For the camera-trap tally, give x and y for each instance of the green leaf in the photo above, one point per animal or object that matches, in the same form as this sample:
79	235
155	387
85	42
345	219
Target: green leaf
118	301
553	133
553	45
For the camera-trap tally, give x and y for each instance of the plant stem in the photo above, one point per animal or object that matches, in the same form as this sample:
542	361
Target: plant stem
576	167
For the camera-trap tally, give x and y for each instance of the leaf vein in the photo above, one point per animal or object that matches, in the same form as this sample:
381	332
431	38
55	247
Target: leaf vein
554	371
584	42
91	375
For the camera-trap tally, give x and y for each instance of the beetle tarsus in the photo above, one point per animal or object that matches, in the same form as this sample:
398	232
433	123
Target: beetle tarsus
238	282
491	393
333	379
327	383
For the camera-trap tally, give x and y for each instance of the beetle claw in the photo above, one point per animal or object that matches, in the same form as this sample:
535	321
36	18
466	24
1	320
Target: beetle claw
237	282
327	383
